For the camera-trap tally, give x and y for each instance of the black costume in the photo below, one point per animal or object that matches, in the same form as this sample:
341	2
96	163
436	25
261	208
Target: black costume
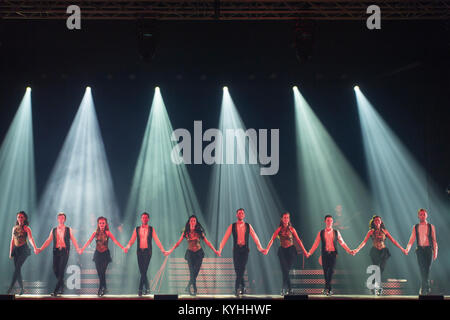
20	254
143	258
328	259
102	258
60	258
240	256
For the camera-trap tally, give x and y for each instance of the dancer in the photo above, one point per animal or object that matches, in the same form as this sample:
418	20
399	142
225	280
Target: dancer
286	251
144	235
19	248
240	230
193	233
61	236
102	256
379	252
328	238
427	248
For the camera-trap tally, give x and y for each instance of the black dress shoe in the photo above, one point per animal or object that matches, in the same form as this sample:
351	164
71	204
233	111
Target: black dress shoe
140	293
21	292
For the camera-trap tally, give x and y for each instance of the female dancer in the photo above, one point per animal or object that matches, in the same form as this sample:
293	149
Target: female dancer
287	251
193	232
379	252
19	248
102	256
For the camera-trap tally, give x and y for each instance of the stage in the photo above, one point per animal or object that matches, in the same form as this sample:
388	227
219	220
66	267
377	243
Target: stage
69	297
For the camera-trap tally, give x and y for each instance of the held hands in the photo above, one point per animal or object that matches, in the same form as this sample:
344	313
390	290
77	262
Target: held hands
404	251
126	249
80	251
308	255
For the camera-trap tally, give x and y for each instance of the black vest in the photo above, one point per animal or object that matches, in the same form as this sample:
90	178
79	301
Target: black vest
322	238
247	232
430	238
66	238
149	238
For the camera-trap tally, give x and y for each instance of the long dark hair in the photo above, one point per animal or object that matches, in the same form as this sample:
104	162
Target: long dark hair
281	220
25	223
106	226
198	228
372	223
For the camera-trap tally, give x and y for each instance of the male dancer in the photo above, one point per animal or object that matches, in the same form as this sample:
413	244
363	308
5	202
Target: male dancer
328	238
61	236
144	235
427	248
240	230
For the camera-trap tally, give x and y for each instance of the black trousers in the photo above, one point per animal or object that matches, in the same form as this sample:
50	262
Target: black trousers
143	258
380	257
328	264
424	259
287	257
60	258
20	254
102	259
194	260
240	258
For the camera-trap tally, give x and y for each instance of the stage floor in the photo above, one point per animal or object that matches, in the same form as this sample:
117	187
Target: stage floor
225	297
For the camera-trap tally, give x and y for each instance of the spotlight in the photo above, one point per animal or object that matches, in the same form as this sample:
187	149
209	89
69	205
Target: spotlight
156	88
304	39
356	88
88	88
28	89
147	39
225	88
294	88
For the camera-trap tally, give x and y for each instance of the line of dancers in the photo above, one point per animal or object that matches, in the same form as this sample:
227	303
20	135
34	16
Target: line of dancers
61	236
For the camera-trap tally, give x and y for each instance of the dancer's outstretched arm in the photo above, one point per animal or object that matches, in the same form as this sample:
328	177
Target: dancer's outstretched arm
11	247
275	234
30	238
256	240
344	245
87	242
411	239
394	241
363	243
158	243
210	245
297	238
435	244
225	239
75	243
132	240
176	244
314	246
47	242
109	234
